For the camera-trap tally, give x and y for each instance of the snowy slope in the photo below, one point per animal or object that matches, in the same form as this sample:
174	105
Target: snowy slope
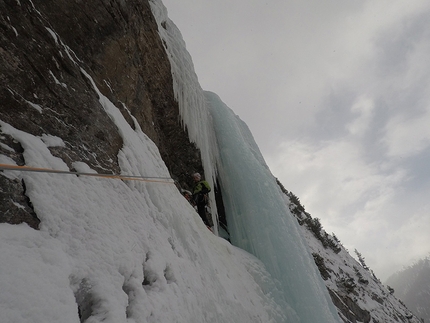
360	296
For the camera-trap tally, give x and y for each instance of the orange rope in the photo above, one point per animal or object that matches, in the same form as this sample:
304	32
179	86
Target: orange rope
166	180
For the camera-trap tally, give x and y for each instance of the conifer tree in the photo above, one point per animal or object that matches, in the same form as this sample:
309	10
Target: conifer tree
361	259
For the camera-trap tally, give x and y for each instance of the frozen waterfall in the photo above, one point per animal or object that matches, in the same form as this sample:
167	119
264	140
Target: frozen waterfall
260	222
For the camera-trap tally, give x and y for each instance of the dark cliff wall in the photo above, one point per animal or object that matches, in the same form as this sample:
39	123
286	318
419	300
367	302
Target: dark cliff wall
43	46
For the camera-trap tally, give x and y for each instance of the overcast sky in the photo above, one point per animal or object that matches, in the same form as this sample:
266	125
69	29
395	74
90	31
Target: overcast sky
337	95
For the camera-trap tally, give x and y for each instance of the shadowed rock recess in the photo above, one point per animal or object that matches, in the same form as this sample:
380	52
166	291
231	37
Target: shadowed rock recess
43	90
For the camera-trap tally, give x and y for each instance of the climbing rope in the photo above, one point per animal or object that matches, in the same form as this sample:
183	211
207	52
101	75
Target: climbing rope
165	180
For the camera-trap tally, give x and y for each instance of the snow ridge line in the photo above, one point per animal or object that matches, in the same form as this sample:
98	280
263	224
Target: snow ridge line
165	180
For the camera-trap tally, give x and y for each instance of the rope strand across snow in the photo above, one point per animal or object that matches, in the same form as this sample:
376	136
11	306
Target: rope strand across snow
165	180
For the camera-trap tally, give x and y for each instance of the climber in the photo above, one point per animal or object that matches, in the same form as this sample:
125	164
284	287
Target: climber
200	197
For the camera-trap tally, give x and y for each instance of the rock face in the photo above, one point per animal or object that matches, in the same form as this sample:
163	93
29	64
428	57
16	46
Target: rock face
45	93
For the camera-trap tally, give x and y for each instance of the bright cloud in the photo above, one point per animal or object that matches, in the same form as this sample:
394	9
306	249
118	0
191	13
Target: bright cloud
405	137
364	108
335	172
